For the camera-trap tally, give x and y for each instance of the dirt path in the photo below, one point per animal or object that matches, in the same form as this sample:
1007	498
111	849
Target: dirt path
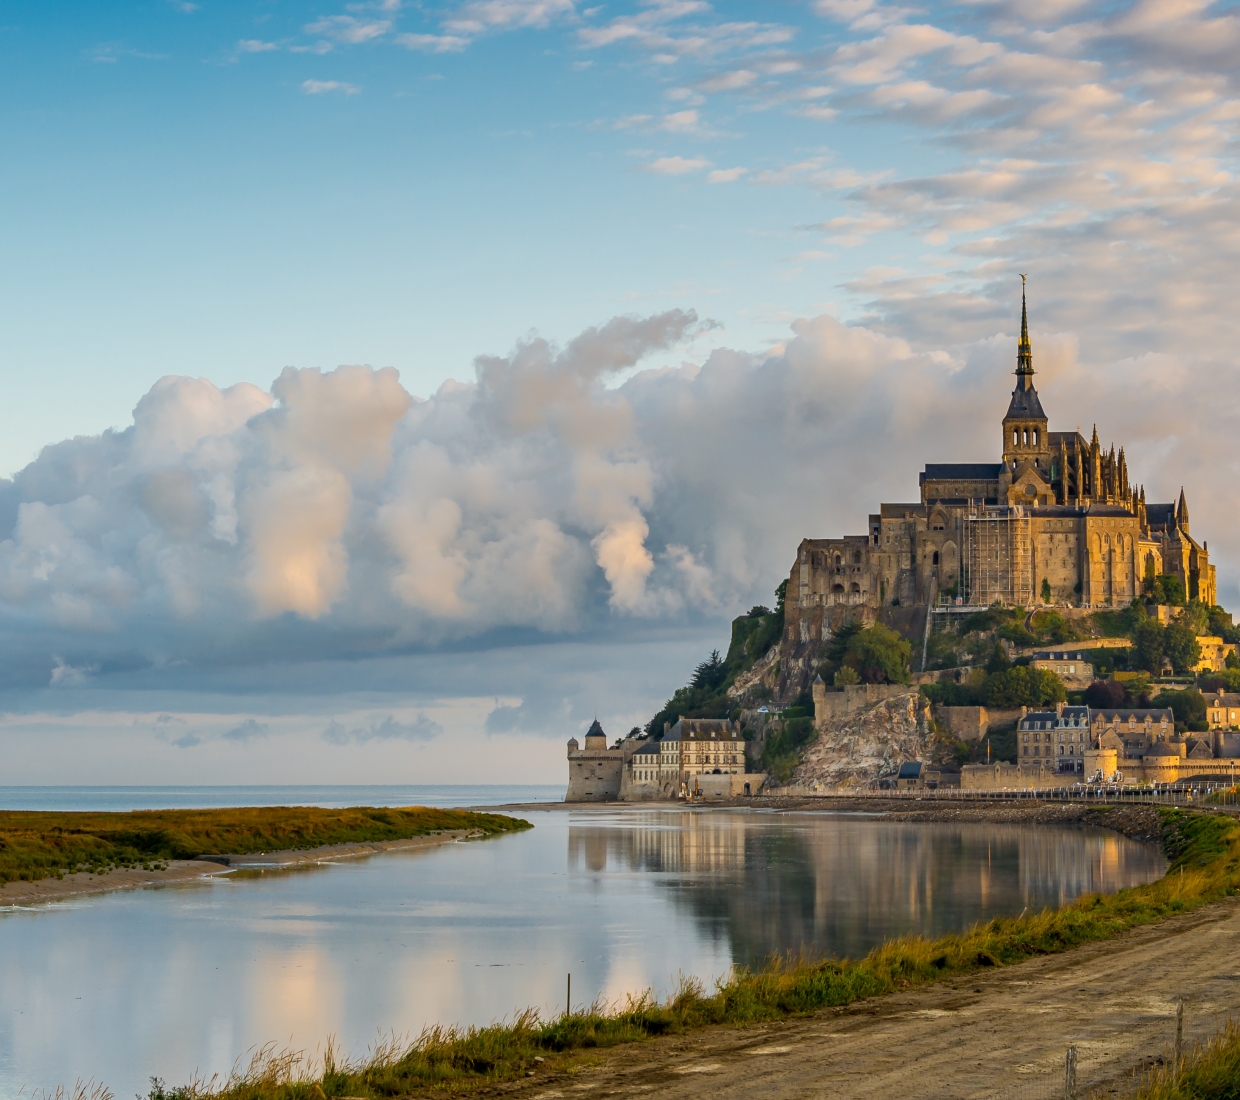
999	1034
183	870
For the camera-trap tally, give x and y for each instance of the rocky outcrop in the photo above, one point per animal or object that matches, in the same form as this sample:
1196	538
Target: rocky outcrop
866	746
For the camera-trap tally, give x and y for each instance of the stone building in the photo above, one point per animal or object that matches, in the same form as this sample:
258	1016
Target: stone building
1062	734
1069	665
692	748
1214	653
1056	515
595	772
1223	710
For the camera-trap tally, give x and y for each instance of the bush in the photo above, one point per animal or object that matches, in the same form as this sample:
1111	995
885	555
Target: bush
1180	646
1105	695
878	655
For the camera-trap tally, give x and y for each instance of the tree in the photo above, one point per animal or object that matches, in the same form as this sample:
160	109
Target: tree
998	660
879	654
1189	707
1148	639
1022	686
846	677
1105	694
1196	616
1134	615
1180	646
1221	625
710	673
1046	590
1173	589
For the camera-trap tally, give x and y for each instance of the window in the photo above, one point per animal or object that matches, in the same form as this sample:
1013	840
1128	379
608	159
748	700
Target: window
1015	437
857	558
935	560
1035	437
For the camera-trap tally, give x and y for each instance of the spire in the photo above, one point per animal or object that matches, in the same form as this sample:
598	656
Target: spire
1024	353
1093	443
1181	512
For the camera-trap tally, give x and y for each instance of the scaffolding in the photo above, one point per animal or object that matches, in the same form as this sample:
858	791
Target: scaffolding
998	556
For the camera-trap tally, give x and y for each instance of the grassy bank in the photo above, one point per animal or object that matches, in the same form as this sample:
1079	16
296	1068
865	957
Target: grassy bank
1205	851
35	845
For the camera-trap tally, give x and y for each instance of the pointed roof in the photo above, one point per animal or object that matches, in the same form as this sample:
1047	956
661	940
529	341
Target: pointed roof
1025	404
1181	510
595	730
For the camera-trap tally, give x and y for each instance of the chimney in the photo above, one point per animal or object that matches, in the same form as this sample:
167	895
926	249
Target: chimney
1024	711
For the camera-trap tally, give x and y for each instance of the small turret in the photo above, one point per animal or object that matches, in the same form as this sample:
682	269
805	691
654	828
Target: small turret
1181	512
596	739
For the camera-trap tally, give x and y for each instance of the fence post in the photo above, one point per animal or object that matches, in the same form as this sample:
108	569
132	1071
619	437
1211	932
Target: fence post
1179	1033
1069	1074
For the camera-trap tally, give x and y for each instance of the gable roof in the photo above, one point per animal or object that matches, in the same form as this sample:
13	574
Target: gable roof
960	471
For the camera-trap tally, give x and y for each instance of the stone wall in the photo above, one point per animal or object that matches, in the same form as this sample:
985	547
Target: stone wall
998	777
974	723
595	776
831	705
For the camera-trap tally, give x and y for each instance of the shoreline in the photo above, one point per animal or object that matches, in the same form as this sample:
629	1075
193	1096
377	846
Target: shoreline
26	895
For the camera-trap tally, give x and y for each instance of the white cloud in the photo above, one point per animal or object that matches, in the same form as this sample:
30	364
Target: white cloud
725	175
256	45
349	30
676	166
320	87
433	43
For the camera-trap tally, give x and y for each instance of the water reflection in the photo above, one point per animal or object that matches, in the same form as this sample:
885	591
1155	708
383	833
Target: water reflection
832	885
166	982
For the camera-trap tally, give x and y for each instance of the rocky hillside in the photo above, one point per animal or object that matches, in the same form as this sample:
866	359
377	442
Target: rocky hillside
868	746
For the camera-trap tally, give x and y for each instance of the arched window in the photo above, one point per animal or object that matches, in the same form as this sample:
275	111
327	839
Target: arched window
1015	437
936	558
1024	437
857	558
837	559
837	588
1035	437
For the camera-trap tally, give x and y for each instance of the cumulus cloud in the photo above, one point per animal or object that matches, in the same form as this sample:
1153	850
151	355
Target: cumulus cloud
248	730
557	494
676	166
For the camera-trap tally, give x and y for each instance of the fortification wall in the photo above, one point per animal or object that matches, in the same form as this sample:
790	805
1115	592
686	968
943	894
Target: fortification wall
998	777
595	776
973	723
830	706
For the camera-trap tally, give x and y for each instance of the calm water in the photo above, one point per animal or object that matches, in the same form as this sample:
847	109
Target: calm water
190	977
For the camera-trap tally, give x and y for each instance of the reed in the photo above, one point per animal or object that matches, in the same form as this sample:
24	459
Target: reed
1205	851
38	845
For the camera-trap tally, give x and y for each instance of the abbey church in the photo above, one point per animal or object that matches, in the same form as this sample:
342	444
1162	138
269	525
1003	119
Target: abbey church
1056	518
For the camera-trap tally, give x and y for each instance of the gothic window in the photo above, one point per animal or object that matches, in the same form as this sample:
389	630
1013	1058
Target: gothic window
1015	437
1035	437
838	559
935	560
1025	437
857	558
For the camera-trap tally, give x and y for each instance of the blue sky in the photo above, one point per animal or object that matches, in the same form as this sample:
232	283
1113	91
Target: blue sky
392	387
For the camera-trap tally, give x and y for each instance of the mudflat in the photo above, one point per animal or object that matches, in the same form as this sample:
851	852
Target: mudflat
22	893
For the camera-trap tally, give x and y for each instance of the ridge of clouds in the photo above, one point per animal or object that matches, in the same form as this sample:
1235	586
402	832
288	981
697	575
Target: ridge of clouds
337	516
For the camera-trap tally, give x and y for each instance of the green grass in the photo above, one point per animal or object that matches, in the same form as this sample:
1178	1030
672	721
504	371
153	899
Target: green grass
1205	853
49	845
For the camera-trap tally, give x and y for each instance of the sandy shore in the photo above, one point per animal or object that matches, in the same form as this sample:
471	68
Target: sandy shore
22	894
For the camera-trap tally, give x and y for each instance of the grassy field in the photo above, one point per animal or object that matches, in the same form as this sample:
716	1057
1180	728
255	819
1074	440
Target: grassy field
1205	851
37	845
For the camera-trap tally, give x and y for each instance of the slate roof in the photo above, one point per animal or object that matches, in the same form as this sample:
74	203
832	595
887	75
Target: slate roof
650	748
960	471
910	769
1160	515
595	730
1025	405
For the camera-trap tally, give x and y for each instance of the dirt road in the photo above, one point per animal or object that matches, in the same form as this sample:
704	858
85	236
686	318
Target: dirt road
1000	1034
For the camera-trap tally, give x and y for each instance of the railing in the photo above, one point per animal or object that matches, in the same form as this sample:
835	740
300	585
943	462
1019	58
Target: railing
1208	795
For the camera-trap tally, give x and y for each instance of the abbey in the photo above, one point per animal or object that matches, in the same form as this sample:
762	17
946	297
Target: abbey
1055	519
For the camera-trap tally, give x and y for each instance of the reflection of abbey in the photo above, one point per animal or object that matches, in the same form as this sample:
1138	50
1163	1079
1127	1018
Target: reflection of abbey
1056	517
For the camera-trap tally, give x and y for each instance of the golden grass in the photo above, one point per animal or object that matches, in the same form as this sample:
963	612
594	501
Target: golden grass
37	845
1211	1071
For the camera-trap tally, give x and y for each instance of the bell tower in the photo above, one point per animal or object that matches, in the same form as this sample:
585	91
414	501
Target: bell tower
1024	428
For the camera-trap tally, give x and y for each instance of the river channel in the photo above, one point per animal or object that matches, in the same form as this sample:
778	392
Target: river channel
189	978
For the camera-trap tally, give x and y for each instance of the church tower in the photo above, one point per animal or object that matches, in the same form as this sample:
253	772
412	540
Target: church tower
1025	437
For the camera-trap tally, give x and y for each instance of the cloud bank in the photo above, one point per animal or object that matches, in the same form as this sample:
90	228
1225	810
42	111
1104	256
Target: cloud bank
336	516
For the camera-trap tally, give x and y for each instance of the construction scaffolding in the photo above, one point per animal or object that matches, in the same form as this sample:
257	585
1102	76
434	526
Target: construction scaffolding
998	556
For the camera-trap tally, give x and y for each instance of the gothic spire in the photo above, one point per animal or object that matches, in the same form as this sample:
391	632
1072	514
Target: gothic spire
1024	352
1181	511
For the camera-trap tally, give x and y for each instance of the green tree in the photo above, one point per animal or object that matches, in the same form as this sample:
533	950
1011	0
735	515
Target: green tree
1148	647
1196	616
1134	615
846	677
998	660
1180	646
879	654
1173	589
1046	590
1189	707
1022	686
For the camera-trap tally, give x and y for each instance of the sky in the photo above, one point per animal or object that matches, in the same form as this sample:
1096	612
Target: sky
392	387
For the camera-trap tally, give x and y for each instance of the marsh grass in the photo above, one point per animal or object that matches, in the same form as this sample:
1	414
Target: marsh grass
38	845
1205	853
1210	1072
